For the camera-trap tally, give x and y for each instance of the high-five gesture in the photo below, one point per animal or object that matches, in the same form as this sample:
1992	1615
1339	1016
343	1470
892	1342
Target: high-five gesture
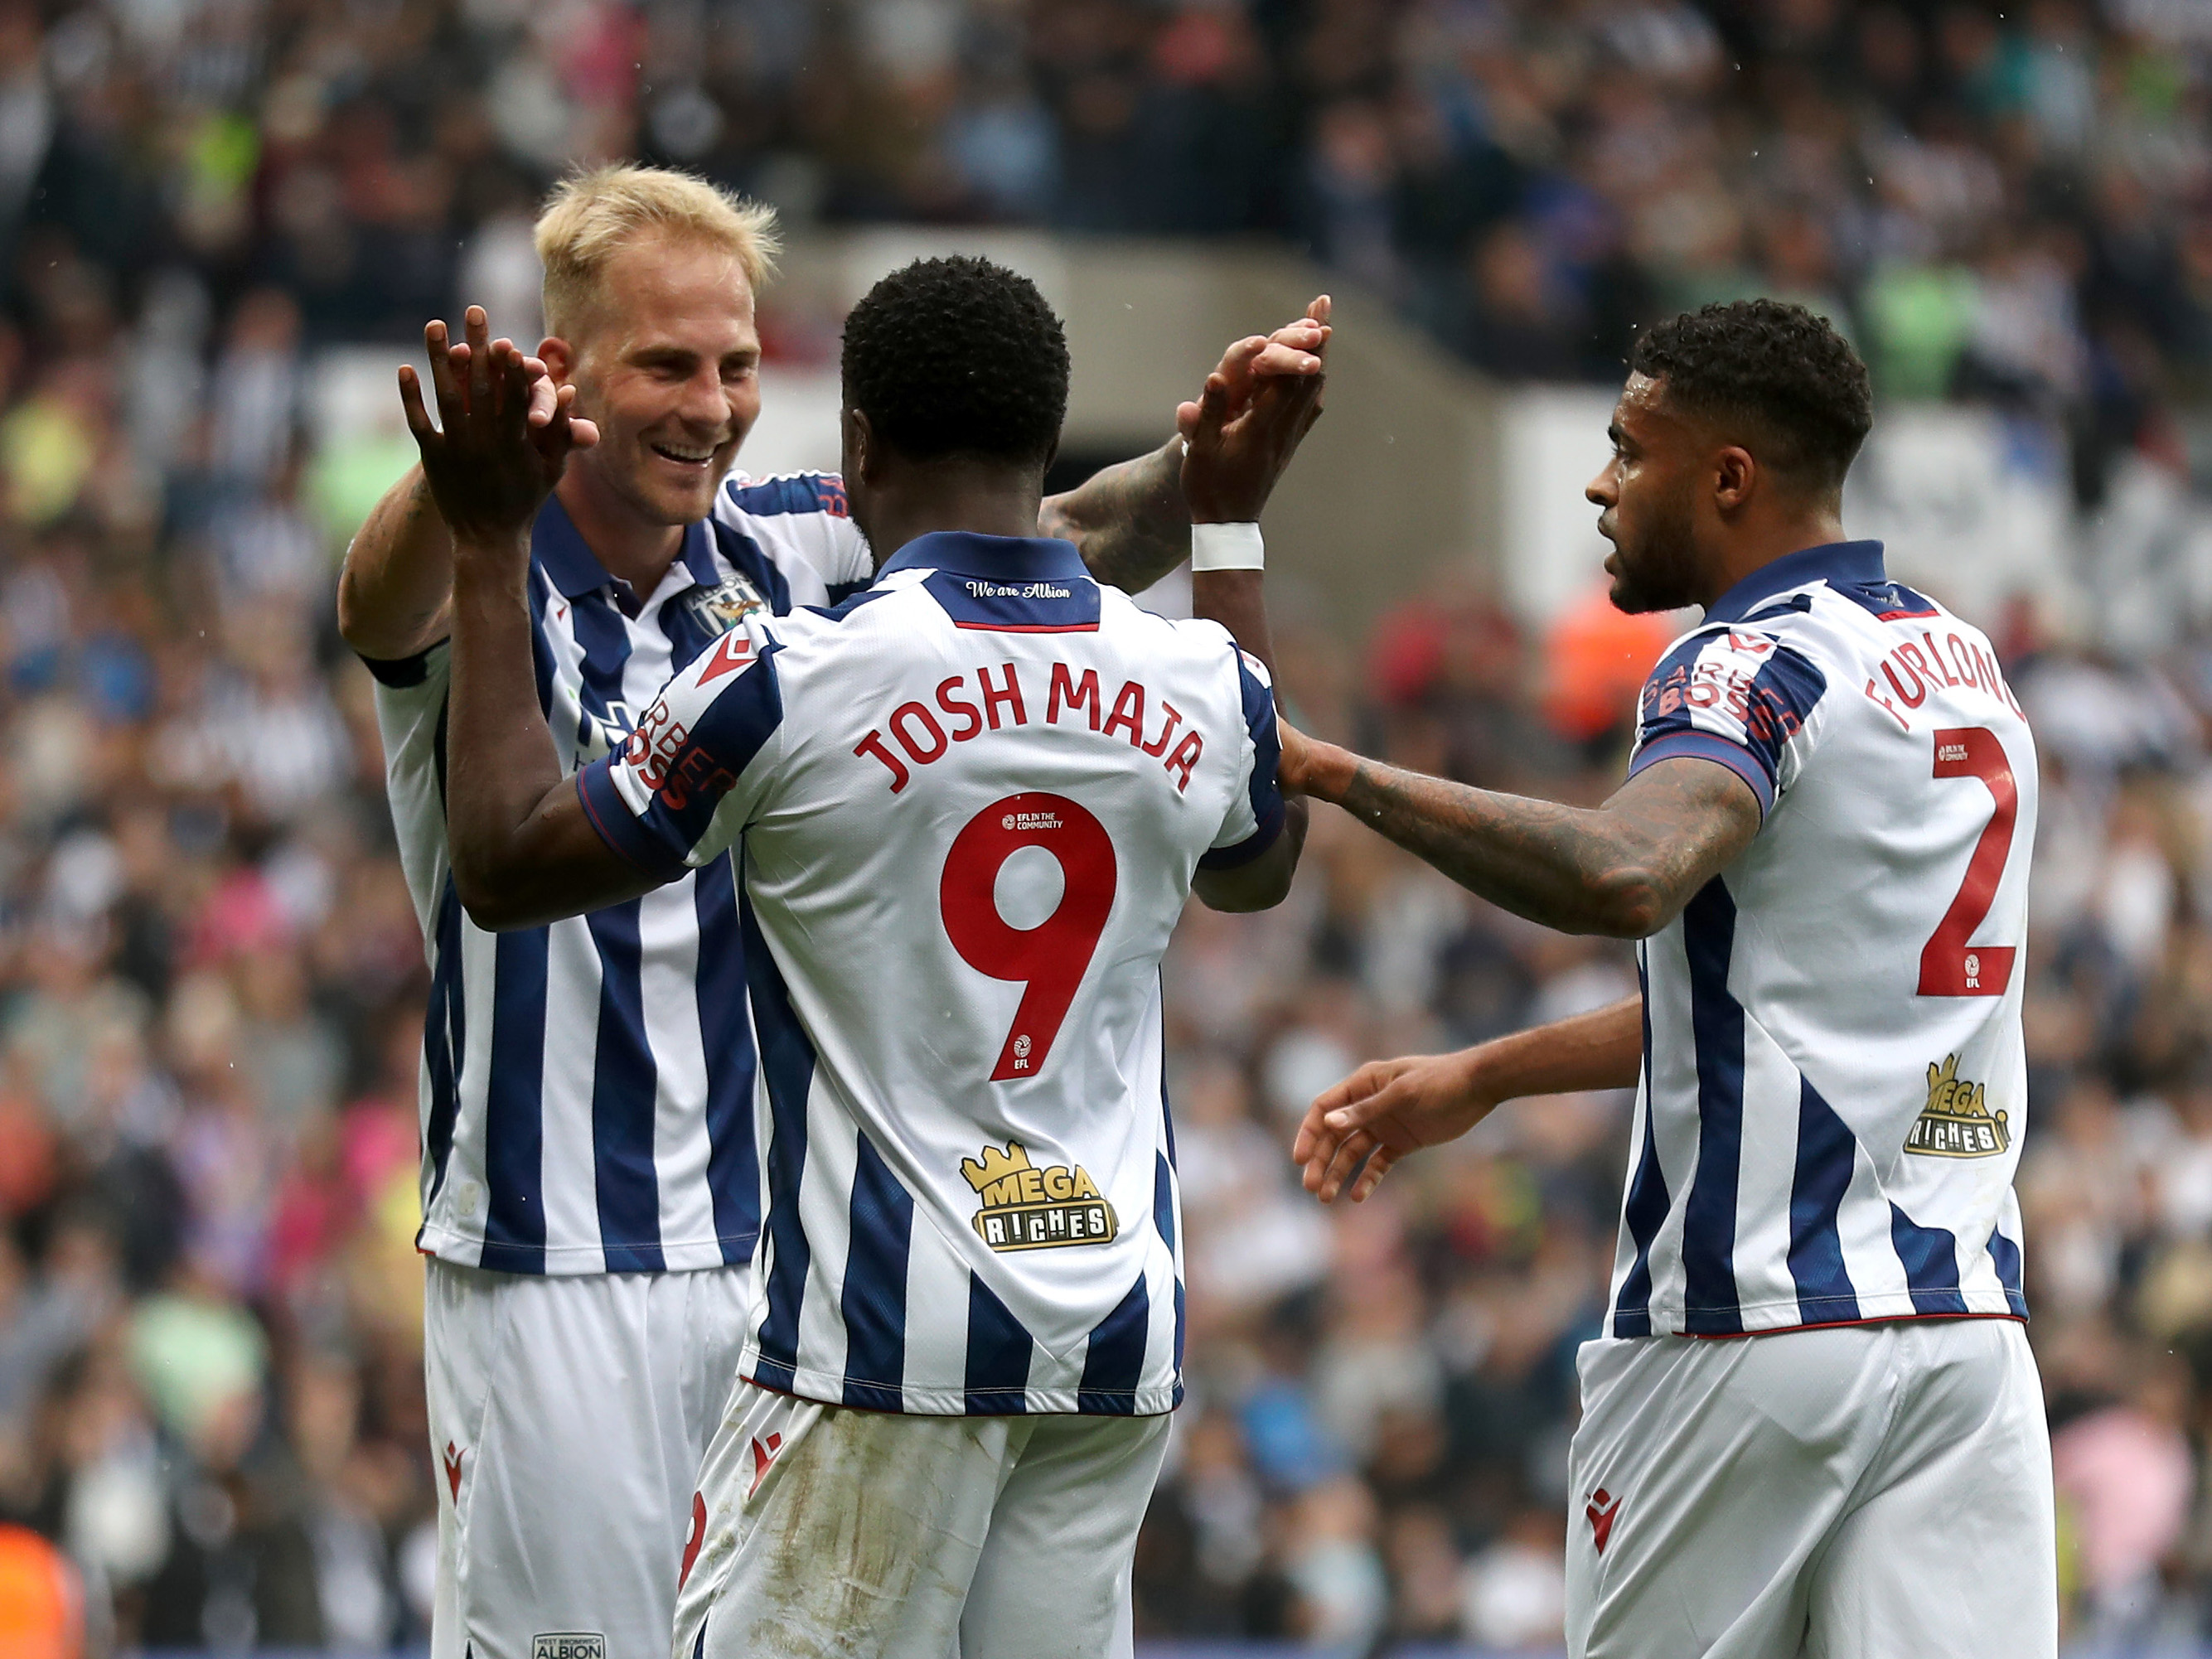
503	433
1257	407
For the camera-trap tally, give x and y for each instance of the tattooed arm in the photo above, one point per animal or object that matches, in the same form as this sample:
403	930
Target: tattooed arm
1130	520
1624	869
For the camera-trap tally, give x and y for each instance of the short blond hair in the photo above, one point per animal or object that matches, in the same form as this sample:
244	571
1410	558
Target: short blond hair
592	215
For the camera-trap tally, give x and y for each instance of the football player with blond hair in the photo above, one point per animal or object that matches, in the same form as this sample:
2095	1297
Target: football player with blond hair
589	1179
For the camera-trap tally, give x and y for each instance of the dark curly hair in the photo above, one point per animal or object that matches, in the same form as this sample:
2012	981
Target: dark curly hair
958	356
1783	376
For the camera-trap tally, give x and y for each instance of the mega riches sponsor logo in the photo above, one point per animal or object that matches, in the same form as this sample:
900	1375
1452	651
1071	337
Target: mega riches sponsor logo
1026	1208
1957	1122
569	1645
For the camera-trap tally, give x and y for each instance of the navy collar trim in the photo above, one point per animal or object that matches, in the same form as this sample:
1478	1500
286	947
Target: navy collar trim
698	555
994	558
559	546
575	570
1847	564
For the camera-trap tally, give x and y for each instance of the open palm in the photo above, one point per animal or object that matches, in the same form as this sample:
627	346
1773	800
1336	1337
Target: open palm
1383	1111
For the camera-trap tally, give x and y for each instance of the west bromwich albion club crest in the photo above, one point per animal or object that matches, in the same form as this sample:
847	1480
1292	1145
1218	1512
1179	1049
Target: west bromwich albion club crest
1957	1122
722	608
1026	1208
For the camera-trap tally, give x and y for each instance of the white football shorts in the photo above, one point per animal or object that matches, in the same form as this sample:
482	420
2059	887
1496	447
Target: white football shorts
568	1419
1861	1492
874	1535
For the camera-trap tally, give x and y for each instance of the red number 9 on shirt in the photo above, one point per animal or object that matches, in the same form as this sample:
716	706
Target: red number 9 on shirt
1048	960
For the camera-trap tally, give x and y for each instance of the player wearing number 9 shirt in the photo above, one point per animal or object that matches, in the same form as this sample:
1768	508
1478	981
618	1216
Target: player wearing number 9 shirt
1812	1425
968	803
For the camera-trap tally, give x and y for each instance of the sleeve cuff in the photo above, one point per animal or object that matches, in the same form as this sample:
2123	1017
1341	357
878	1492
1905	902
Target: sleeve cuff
610	814
400	673
1243	852
1705	746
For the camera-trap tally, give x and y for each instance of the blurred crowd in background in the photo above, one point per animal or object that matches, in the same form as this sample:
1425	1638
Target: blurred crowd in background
2012	200
211	975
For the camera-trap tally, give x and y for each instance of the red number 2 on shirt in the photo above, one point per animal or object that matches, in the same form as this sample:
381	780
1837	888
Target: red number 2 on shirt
1949	966
1047	960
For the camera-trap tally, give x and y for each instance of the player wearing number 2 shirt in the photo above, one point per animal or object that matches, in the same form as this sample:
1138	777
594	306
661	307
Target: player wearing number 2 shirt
966	807
1812	1425
1813	1147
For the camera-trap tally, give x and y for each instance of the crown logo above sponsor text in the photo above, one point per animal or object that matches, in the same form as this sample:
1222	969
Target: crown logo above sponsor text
1027	1208
995	1165
1957	1122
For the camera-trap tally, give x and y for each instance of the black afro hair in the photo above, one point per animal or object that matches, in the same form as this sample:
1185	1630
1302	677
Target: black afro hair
958	356
1778	371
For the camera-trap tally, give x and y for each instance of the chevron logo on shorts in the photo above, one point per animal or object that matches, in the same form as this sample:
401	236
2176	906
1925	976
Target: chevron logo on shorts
764	1456
1601	1509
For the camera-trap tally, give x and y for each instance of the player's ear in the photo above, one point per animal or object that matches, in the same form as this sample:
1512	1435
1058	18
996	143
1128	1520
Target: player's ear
863	455
1735	474
560	361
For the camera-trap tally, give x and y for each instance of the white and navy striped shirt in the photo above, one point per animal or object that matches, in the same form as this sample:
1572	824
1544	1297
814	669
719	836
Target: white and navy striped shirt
587	1088
971	803
1834	1083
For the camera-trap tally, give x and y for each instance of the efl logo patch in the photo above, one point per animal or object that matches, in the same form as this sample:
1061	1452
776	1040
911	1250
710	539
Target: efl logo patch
1957	1122
1026	1208
569	1645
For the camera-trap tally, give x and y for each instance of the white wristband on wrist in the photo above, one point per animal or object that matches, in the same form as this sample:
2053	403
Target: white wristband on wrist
1226	547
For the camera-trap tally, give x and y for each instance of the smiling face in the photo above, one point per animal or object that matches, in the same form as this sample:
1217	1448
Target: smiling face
667	360
1647	494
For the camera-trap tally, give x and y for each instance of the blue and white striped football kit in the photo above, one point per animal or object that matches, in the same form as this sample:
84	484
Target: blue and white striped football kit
586	1118
1833	1093
971	802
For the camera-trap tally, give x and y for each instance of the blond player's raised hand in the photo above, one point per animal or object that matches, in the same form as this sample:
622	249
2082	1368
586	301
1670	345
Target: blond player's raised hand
1356	1131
